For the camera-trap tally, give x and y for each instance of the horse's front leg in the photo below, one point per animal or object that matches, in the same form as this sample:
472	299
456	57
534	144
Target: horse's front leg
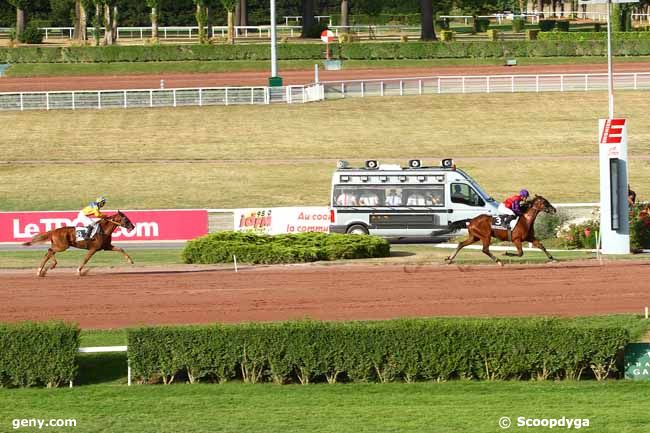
120	250
539	245
88	257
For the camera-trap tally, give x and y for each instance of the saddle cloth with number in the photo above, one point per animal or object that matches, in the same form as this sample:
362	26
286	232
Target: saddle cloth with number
81	231
497	223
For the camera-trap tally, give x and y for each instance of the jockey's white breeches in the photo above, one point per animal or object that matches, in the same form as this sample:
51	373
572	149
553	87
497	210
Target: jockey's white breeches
85	220
503	210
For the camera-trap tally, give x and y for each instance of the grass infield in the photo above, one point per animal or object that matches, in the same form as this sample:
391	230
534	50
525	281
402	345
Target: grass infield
67	69
247	156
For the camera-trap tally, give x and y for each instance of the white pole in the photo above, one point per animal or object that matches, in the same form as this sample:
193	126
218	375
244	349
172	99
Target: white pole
234	258
610	79
274	54
646	317
316	73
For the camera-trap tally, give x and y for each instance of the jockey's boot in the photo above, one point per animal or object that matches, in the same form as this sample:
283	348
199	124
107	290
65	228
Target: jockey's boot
89	230
507	219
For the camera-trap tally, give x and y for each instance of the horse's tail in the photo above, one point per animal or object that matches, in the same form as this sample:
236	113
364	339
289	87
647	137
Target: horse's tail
43	237
451	228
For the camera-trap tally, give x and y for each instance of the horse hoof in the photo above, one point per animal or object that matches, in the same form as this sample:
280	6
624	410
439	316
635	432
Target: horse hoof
500	263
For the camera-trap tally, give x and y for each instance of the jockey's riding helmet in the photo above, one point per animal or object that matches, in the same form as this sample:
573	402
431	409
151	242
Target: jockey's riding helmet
101	201
524	193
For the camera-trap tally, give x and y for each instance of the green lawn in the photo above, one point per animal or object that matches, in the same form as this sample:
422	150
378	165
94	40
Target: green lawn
453	407
69	69
214	157
71	258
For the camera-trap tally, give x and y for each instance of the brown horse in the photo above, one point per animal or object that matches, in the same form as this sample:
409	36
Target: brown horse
480	228
65	237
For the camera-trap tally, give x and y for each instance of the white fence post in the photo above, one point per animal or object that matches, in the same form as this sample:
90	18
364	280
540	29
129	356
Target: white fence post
401	87
381	88
99	100
73	104
200	97
174	96
125	99
252	96
438	84
343	89
419	87
22	105
47	100
363	88
226	96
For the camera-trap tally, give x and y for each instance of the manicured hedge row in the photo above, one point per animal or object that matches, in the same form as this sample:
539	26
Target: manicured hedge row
305	247
408	350
592	36
553	44
38	354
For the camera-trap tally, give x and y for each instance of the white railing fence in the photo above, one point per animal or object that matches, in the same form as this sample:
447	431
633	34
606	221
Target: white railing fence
152	98
484	84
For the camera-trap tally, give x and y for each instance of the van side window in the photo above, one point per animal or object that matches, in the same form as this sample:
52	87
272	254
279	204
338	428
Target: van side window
464	194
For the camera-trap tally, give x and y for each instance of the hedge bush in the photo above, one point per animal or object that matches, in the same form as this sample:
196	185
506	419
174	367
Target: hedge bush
546	25
386	351
36	354
593	36
32	34
549	45
518	25
304	247
640	226
562	25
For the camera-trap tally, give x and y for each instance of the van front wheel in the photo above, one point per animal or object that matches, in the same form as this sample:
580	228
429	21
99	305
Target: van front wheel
357	229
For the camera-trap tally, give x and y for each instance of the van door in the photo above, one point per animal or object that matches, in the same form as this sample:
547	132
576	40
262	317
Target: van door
465	202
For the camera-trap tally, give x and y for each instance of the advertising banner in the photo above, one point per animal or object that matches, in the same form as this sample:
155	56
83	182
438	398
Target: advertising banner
280	220
151	225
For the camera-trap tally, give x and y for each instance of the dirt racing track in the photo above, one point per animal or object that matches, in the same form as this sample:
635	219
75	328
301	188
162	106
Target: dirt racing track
109	298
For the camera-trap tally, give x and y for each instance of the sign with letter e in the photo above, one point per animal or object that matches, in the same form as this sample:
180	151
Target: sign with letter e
612	132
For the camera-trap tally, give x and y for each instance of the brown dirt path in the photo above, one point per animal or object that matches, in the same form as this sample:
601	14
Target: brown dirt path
176	80
113	298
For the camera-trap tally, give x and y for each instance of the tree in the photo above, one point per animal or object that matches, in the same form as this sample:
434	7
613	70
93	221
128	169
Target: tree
155	10
345	21
21	7
372	8
110	21
308	21
201	18
229	5
427	32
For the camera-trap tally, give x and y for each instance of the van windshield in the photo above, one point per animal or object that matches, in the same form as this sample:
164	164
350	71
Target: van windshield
476	186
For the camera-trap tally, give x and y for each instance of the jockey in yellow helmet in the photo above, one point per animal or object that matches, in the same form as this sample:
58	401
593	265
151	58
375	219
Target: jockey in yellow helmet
89	215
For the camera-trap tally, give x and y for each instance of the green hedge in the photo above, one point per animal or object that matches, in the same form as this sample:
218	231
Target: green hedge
593	36
34	354
408	350
548	45
304	247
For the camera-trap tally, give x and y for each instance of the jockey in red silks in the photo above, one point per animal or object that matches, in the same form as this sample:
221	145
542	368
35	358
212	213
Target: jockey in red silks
511	207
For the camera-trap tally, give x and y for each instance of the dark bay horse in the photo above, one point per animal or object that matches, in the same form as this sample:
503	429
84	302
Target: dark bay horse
480	229
66	237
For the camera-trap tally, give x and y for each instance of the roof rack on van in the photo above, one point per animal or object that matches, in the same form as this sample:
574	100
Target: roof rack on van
413	164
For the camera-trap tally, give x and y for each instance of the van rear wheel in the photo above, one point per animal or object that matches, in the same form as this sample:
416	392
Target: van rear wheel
357	229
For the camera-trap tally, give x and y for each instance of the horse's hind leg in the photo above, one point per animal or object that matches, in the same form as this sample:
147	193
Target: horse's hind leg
41	267
88	256
538	244
486	251
120	250
461	245
520	250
